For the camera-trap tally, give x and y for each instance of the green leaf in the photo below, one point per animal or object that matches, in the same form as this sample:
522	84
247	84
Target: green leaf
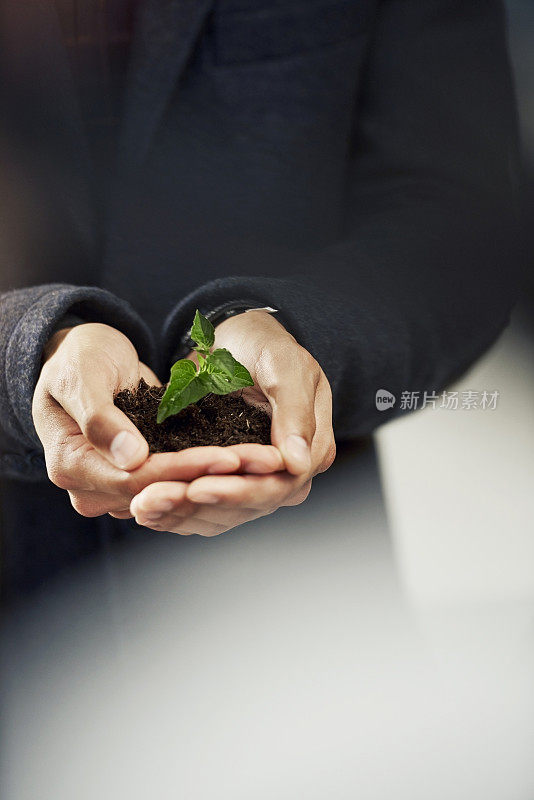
182	374
183	371
221	360
202	332
194	391
218	372
242	375
225	374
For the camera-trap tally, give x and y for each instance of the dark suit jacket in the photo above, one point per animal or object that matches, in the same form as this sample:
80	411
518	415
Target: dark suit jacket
352	163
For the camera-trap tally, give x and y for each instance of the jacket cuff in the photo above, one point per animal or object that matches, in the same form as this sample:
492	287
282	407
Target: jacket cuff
68	321
217	300
33	330
216	316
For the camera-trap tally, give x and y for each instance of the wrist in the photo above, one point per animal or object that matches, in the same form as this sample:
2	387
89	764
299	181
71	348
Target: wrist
54	342
251	320
251	335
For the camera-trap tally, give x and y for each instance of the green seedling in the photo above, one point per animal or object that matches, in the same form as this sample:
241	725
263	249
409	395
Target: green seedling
218	372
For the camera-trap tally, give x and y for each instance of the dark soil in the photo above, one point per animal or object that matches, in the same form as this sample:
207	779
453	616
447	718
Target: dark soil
216	419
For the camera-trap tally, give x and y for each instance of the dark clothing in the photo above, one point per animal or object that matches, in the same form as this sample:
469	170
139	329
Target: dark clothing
350	162
97	37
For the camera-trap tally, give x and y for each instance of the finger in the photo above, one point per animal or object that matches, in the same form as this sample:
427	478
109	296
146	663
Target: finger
264	492
124	514
183	527
110	431
95	504
84	468
258	458
160	498
71	461
52	423
228	517
198	523
293	425
148	375
166	499
186	465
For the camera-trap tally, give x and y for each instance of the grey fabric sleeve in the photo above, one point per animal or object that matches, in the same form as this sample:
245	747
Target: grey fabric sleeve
27	319
68	321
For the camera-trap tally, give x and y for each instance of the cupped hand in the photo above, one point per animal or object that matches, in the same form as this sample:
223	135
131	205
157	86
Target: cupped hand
92	450
290	385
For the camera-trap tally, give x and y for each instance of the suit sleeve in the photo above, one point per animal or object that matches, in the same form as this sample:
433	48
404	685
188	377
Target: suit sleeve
425	275
27	319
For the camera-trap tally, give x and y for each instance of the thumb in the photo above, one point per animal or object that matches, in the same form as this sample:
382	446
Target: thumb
293	424
110	431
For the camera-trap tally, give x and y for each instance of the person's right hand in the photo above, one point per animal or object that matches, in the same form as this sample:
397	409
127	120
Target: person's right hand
92	450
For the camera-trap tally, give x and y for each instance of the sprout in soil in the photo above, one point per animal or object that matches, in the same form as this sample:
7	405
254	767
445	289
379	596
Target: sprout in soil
218	372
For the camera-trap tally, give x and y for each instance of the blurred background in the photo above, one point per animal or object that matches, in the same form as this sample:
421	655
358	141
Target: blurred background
472	475
376	642
521	39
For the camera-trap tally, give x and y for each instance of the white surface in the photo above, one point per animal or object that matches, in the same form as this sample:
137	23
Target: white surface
459	486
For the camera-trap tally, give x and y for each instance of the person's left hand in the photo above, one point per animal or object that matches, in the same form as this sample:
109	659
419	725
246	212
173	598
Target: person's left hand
290	385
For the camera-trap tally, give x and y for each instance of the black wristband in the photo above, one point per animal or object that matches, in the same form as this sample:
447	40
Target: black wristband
218	315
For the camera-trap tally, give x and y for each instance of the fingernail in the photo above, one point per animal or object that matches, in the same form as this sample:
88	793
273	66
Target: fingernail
297	448
151	517
204	497
124	448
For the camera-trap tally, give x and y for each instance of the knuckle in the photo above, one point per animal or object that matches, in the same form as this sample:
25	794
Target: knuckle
86	506
289	358
65	381
128	485
58	474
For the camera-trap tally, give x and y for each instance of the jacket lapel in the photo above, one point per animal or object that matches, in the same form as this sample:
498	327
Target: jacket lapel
165	34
